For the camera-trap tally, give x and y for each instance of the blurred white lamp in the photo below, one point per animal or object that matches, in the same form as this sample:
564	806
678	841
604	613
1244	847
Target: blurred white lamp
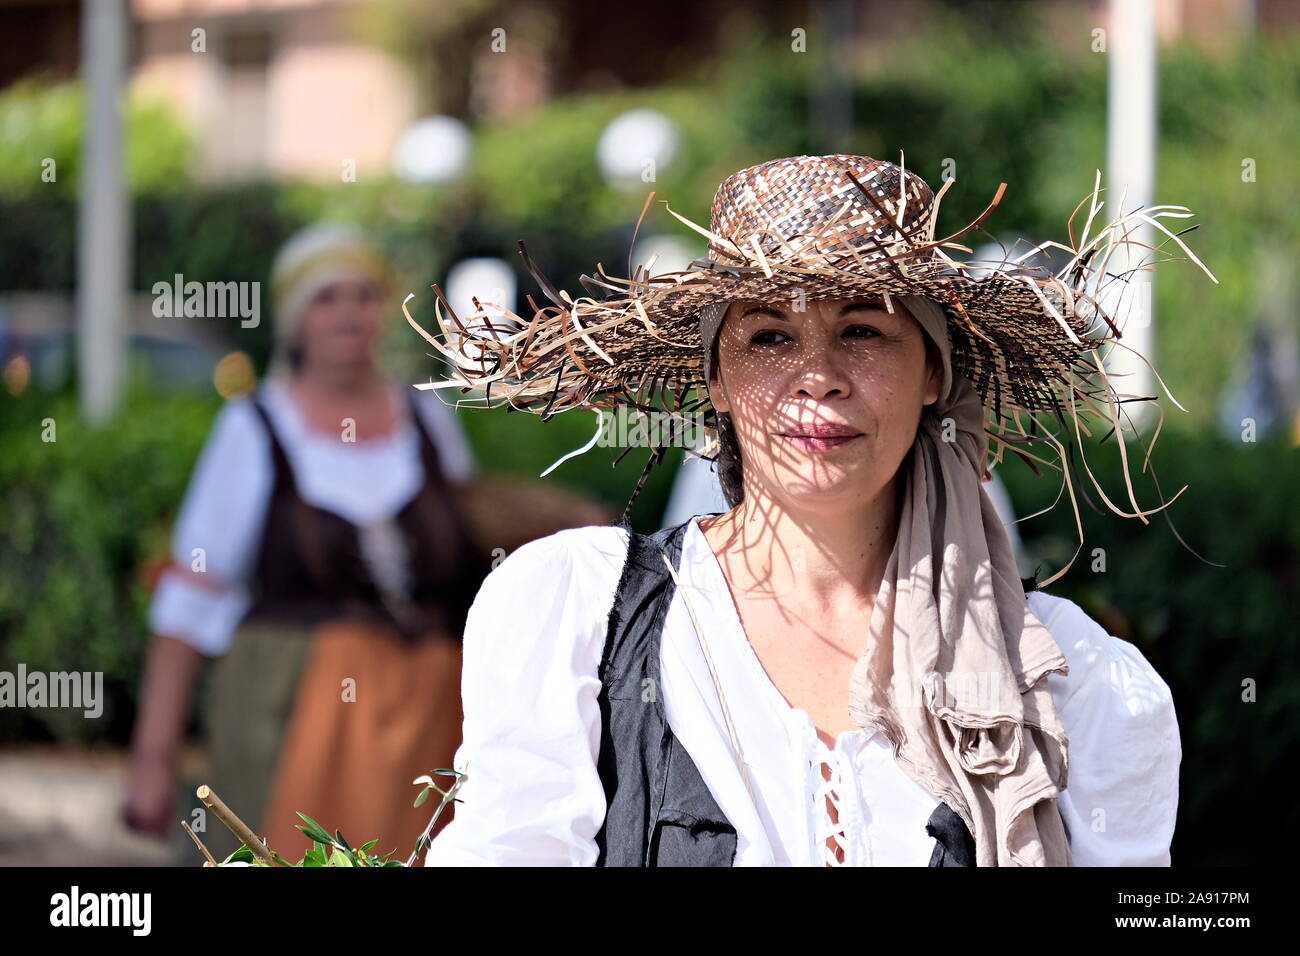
635	142
434	149
493	283
670	253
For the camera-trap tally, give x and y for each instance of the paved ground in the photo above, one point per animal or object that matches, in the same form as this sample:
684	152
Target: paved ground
59	806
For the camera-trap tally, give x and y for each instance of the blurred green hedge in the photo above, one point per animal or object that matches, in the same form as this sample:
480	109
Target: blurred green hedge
42	125
85	518
81	516
1210	612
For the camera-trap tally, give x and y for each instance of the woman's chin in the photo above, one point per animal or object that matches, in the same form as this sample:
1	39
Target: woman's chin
349	354
821	488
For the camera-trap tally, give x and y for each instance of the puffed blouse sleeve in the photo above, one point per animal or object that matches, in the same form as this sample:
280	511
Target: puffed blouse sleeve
530	684
1121	797
202	597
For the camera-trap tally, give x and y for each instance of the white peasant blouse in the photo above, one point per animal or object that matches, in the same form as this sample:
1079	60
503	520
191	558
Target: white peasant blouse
533	796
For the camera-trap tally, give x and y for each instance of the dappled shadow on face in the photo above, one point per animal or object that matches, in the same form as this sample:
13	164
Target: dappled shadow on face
824	402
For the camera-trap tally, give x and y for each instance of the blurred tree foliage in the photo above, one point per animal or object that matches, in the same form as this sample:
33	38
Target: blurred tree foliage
1213	612
82	517
43	122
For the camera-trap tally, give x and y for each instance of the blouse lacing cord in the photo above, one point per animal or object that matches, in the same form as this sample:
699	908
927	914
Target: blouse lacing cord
830	831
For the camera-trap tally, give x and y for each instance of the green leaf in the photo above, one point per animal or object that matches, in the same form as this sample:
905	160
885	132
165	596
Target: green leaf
317	832
424	795
315	856
369	846
242	855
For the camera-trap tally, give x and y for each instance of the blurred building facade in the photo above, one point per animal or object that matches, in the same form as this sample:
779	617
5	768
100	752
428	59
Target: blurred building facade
281	87
301	87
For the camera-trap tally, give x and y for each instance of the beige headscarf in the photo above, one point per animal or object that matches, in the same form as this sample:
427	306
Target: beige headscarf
971	719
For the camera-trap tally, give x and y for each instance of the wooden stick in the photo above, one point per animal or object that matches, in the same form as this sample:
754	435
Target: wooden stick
236	826
211	861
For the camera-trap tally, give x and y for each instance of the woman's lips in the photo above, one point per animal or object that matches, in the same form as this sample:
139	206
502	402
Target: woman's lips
820	437
808	443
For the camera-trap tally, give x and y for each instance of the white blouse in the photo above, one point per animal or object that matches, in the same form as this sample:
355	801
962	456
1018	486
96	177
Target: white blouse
533	796
225	504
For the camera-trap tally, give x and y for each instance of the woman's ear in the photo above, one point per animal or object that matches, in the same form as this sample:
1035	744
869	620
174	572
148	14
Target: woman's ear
717	395
934	370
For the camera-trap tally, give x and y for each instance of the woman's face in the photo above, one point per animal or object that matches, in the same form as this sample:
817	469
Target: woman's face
341	323
825	402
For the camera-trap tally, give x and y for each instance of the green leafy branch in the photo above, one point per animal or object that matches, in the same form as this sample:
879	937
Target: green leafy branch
326	849
448	796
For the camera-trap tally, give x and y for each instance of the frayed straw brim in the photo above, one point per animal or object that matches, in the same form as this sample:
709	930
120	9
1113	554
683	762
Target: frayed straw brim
1027	339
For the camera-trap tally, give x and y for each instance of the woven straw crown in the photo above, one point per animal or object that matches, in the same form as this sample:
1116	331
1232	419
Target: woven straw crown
786	199
795	197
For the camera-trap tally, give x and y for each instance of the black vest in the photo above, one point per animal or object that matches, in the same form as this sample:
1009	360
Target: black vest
659	810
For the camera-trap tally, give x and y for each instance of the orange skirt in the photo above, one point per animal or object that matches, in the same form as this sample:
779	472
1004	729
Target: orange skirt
371	714
335	721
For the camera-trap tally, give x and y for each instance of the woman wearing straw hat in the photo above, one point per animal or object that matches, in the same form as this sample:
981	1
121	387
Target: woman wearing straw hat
845	667
322	558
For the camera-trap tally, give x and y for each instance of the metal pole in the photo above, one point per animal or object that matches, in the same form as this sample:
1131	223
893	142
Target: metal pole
103	235
1130	173
831	95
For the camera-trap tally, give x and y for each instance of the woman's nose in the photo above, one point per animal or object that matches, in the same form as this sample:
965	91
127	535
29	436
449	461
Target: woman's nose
349	303
820	373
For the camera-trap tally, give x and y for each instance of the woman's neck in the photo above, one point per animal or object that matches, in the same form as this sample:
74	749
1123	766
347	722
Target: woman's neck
826	559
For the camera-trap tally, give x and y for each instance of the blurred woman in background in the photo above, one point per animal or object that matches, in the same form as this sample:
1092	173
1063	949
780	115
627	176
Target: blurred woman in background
322	558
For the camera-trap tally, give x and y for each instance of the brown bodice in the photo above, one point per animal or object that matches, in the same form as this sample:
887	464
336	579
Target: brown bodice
310	564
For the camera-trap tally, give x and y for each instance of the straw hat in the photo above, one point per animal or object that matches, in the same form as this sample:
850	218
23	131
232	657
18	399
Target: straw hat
804	228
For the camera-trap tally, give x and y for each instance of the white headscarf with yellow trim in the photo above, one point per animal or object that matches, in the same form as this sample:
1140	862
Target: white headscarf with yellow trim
310	260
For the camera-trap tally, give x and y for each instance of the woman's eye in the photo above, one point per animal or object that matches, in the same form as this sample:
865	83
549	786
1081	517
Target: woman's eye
860	332
768	337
